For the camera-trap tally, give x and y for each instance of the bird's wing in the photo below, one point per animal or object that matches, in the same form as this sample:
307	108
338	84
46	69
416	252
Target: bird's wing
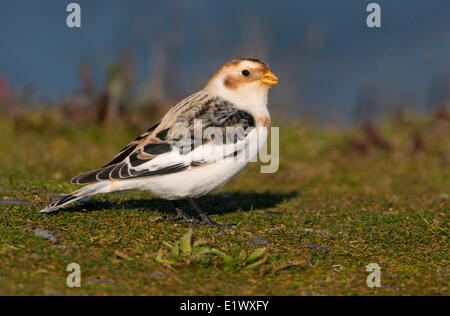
173	144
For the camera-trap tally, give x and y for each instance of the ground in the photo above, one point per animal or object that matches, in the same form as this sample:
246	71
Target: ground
342	198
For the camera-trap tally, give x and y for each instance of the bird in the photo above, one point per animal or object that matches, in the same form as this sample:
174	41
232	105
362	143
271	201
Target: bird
199	145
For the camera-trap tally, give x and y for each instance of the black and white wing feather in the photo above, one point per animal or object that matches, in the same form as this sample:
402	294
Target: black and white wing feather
161	150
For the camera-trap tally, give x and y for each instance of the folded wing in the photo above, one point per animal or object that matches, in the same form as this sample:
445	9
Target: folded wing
163	149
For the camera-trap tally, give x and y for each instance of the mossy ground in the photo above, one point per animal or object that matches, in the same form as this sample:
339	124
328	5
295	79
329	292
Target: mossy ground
338	202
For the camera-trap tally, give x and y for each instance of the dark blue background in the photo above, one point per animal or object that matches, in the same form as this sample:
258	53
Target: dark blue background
322	50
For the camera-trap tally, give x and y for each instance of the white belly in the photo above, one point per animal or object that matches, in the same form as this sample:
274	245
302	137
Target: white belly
193	183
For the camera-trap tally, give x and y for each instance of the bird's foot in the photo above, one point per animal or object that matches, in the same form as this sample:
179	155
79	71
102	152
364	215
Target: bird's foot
179	217
206	221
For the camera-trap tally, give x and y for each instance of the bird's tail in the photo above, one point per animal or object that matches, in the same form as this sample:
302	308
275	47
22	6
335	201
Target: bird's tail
75	196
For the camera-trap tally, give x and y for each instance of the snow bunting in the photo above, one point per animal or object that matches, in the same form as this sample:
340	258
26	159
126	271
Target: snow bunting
171	161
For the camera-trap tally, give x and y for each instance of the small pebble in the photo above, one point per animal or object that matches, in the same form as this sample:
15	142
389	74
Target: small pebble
321	248
259	241
46	234
155	275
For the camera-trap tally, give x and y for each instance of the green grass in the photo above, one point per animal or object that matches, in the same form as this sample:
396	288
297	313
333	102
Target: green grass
329	211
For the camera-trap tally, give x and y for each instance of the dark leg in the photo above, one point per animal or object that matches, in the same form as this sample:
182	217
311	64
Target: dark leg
181	215
205	219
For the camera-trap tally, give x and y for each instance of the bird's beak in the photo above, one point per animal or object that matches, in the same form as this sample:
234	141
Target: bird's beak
270	79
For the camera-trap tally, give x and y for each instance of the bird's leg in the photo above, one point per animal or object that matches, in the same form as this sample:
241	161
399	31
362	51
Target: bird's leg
205	219
181	215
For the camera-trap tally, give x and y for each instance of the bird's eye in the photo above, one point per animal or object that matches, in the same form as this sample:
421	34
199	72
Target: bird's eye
245	72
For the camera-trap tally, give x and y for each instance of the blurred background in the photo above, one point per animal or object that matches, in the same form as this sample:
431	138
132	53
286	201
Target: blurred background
145	55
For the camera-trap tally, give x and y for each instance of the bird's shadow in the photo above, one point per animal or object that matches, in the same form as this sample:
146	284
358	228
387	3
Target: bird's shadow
211	204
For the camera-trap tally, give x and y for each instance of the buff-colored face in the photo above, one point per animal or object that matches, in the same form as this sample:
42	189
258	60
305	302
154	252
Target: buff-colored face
238	74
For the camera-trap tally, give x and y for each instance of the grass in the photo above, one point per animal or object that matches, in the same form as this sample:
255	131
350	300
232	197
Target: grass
340	201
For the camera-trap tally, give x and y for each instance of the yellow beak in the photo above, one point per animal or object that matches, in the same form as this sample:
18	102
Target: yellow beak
270	78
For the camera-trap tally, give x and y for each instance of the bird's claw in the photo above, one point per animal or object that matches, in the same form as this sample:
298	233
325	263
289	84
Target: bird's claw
177	218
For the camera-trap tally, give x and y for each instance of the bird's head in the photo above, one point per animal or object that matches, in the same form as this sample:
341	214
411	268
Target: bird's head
243	81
